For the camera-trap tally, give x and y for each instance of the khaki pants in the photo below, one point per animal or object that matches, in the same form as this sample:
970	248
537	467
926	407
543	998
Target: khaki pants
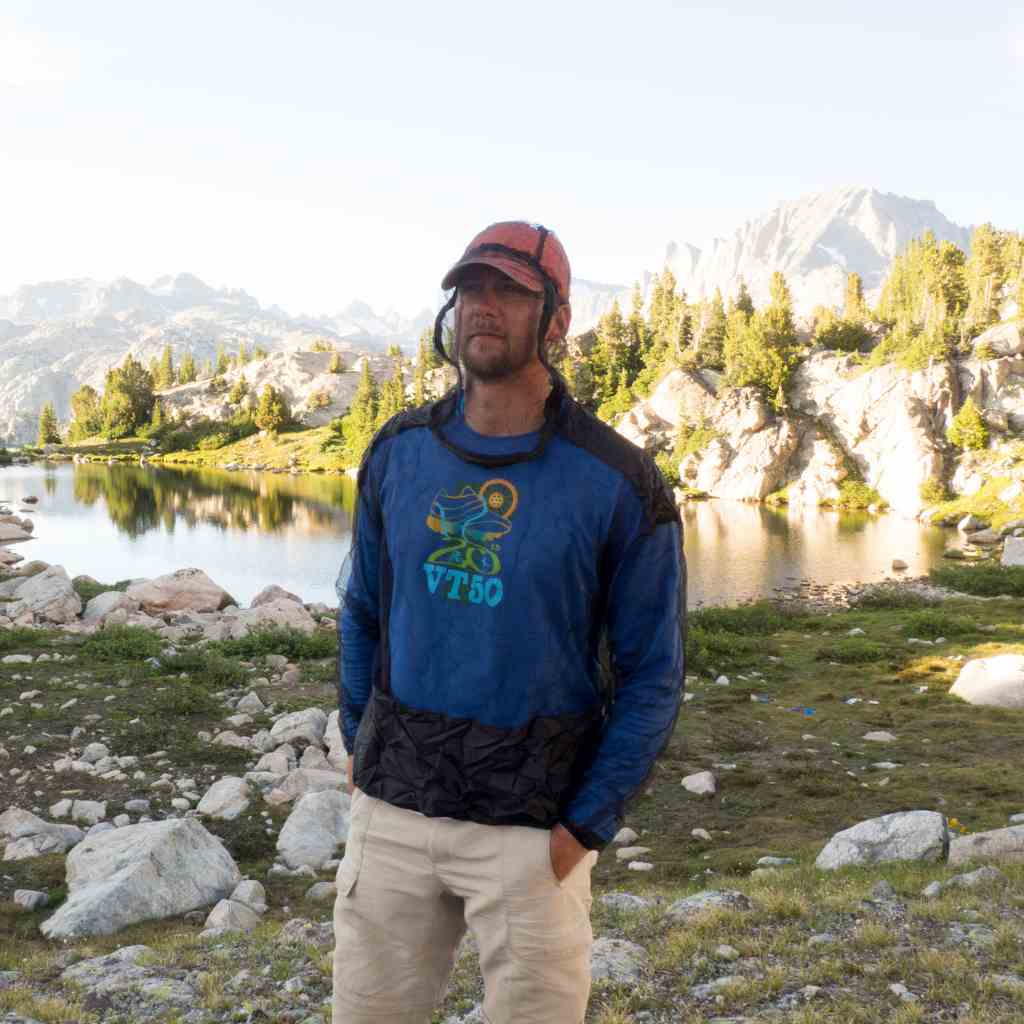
408	887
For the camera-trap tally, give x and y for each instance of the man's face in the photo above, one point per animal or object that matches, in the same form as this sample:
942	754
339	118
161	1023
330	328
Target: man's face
496	323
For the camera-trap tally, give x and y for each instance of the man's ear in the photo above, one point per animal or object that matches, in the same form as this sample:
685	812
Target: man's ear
559	326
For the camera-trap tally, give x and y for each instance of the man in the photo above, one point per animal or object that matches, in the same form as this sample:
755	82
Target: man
516	564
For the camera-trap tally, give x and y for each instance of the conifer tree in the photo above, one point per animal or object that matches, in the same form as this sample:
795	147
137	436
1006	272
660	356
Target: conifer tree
357	426
238	391
272	411
187	369
711	341
968	430
985	276
223	364
243	354
164	376
85	413
336	363
127	401
207	371
743	302
49	432
853	307
391	400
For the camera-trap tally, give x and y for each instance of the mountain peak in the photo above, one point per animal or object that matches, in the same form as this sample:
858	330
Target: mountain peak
815	241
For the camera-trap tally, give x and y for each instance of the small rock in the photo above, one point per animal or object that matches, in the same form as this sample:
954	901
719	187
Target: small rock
640	865
901	990
631	852
30	899
700	783
625	836
321	892
727	952
710	899
701	833
880	737
883	890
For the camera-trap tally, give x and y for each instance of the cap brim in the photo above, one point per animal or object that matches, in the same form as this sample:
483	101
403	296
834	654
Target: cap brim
519	273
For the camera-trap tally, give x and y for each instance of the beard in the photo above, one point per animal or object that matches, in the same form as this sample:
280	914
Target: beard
496	358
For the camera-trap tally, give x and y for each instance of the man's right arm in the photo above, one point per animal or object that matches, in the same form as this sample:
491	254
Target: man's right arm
358	622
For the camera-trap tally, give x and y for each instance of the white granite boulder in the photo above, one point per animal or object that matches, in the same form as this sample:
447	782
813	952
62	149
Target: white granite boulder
709	899
1005	339
48	595
141	872
315	829
617	960
280	612
308	725
1005	845
109	601
226	799
903	836
1013	551
273	593
303	781
996	682
184	590
30	836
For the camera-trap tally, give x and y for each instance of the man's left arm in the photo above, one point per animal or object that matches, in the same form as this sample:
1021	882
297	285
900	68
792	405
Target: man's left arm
646	612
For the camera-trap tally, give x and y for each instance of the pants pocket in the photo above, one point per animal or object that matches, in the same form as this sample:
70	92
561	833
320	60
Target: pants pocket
546	920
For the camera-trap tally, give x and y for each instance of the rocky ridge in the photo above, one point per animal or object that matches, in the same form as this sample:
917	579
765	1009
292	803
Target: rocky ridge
884	426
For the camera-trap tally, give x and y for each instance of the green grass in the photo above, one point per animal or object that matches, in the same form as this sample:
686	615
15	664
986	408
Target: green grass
87	589
984	579
797	779
889	596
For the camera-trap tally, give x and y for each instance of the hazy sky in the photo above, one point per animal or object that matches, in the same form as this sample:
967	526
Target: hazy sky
314	152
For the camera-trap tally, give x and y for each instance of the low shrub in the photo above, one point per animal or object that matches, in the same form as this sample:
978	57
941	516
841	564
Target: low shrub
852	651
669	468
292	643
122	643
933	623
933	491
19	638
88	589
986	579
892	595
757	618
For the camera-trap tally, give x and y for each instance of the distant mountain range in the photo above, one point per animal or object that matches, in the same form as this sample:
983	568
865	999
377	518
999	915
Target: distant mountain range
815	241
56	336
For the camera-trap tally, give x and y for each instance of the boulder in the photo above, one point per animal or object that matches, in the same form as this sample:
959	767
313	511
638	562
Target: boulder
252	894
1013	551
618	961
709	899
48	595
103	604
226	799
232	916
1003	339
971	524
278	612
183	590
905	835
303	781
32	837
124	972
1005	845
141	872
11	533
273	593
308	725
996	682
315	829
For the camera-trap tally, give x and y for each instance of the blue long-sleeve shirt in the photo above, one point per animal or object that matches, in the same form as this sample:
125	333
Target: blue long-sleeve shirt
500	583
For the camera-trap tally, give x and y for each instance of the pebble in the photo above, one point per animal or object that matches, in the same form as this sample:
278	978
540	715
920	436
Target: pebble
625	836
701	833
640	865
899	989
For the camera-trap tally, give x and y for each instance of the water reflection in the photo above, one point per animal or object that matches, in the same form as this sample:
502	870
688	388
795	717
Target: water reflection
737	550
140	498
248	529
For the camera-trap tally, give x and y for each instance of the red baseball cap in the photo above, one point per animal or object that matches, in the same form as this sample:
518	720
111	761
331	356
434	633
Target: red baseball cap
528	253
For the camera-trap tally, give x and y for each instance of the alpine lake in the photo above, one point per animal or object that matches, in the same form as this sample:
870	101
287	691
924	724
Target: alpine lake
249	529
